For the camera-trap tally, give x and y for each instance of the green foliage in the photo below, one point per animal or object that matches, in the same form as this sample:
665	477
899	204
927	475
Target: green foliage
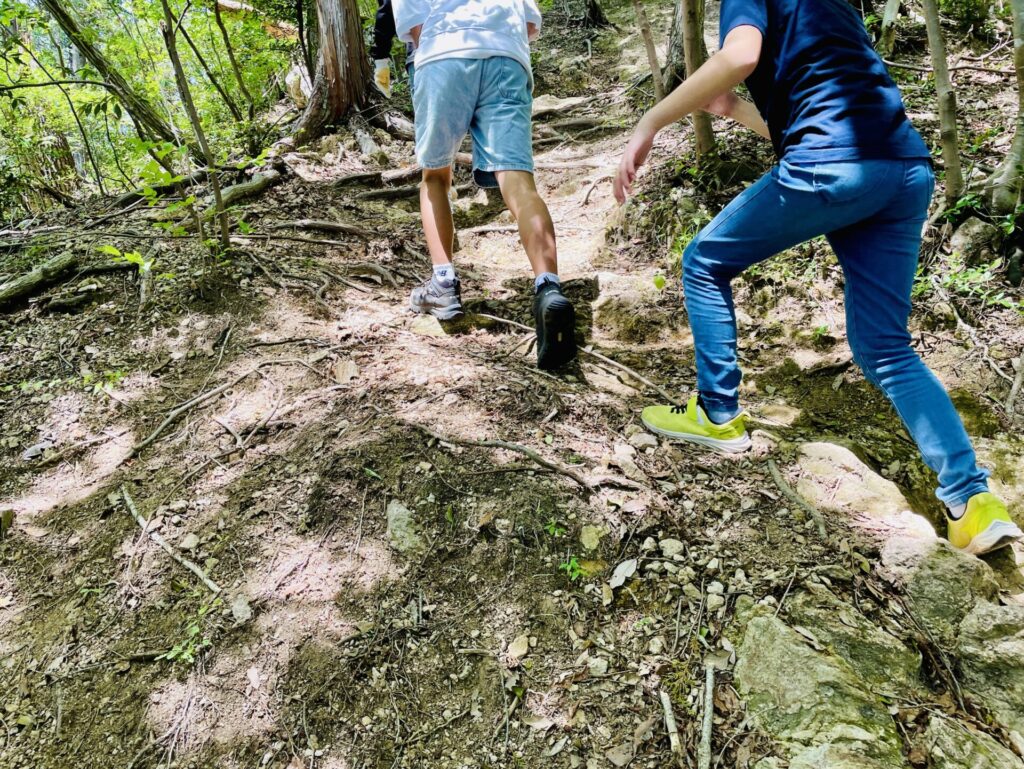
196	635
967	13
572	568
554	528
128	34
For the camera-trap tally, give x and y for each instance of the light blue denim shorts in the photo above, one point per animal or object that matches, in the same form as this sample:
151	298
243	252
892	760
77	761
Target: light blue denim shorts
491	99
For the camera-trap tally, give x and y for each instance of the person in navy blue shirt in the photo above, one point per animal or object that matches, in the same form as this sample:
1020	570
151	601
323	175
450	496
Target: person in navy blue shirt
850	167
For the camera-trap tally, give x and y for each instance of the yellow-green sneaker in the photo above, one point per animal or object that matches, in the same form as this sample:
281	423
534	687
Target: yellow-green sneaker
984	527
692	424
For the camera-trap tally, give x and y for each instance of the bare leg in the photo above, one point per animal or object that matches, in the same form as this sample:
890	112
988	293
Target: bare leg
536	230
436	211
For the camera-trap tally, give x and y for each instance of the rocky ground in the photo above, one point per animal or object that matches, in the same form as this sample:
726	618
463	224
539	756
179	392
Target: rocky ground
419	550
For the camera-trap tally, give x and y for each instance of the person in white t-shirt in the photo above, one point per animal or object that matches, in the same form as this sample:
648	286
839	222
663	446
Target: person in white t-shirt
473	75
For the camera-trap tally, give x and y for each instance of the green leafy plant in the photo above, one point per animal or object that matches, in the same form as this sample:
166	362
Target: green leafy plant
196	636
572	568
553	528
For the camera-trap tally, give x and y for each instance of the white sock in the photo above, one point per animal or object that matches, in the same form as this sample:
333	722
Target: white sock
546	277
956	512
444	274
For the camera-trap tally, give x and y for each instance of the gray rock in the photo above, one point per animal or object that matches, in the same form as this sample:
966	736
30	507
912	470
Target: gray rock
643	441
950	745
991	651
944	587
402	529
976	241
834	479
813	703
670	547
881	659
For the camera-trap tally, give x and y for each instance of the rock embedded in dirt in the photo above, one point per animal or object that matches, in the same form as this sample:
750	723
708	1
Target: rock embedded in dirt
835	479
189	542
643	441
813	703
880	658
951	745
942	586
590	536
519	647
976	241
990	647
671	547
402	530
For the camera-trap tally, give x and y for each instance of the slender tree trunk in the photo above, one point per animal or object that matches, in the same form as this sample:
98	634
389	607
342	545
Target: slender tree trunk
1004	186
300	20
228	101
137	106
342	68
167	27
652	51
887	36
695	55
234	62
947	103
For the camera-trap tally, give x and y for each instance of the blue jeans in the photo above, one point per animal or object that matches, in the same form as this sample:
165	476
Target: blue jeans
872	212
490	98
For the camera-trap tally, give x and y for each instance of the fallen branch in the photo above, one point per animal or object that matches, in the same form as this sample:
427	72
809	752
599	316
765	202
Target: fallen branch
796	499
704	748
188	405
957	68
155	536
593	186
484	228
497	444
411	172
598	356
40	277
233	194
397	193
674	743
323	226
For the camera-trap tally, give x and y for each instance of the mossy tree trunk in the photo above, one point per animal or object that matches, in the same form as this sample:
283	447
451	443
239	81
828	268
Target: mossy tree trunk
947	104
1005	185
342	70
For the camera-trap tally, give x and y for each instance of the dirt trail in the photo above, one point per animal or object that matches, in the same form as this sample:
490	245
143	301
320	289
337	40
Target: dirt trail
390	599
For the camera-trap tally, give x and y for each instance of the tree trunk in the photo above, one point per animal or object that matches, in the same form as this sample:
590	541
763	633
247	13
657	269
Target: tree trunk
167	27
228	101
234	62
137	106
342	71
1004	186
300	20
40	277
652	52
947	103
695	56
887	36
593	15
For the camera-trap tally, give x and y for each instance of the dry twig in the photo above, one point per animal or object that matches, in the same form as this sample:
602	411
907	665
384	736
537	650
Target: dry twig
165	546
796	499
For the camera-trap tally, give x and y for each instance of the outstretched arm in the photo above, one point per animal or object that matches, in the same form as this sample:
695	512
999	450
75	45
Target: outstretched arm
729	67
742	111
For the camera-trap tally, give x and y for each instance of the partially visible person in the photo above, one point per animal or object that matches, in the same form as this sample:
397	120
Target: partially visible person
383	35
852	168
473	76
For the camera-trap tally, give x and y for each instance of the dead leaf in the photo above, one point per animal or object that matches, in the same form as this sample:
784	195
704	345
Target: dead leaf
345	371
620	755
622	572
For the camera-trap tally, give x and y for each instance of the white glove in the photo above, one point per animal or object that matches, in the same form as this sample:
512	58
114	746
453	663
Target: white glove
382	76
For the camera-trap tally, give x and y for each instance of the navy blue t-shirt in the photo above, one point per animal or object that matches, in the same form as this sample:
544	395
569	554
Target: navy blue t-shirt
819	85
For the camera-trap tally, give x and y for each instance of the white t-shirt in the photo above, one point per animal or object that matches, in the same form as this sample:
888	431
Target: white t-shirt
468	29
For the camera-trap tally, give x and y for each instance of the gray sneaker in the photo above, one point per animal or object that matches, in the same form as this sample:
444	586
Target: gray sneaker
443	302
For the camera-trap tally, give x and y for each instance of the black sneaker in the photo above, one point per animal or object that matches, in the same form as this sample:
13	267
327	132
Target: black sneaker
556	327
431	298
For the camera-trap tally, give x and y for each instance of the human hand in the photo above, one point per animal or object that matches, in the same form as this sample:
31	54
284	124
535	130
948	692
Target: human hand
382	76
634	156
415	32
